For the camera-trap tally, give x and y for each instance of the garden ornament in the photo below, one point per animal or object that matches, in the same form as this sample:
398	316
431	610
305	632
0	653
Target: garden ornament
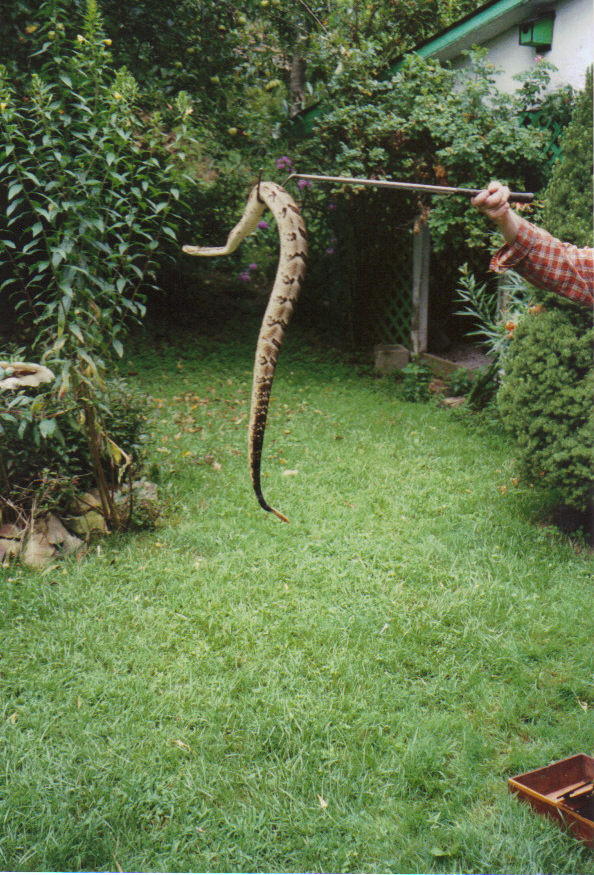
16	375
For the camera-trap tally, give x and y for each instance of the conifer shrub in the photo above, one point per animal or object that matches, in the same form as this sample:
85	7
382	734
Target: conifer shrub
548	387
568	198
546	401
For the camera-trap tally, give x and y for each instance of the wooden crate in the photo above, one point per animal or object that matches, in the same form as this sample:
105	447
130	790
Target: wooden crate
564	791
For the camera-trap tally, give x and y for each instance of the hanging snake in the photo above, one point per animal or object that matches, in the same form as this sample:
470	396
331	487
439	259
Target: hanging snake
285	291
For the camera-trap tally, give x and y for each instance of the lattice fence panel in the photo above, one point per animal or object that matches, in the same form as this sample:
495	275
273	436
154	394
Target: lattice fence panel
384	287
363	292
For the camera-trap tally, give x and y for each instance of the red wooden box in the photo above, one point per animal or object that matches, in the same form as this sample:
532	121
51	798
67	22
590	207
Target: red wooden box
564	790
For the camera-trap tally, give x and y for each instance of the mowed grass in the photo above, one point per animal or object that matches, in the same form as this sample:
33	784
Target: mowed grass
349	692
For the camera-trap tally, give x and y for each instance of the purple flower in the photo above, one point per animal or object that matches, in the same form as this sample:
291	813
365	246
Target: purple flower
253	266
331	206
262	225
284	163
303	183
244	276
330	250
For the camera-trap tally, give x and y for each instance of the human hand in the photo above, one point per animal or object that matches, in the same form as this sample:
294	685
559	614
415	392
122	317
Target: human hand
493	201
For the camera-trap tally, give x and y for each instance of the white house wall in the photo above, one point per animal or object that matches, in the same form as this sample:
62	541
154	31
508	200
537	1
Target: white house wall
572	50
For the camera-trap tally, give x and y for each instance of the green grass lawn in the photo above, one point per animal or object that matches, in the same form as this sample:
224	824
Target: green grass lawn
349	692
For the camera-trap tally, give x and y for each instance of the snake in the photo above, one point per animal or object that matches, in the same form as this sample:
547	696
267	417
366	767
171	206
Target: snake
287	284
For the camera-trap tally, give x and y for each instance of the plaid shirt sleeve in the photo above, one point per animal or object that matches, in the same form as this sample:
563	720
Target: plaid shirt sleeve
549	264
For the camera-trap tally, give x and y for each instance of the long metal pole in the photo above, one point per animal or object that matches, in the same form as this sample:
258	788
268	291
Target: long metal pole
520	197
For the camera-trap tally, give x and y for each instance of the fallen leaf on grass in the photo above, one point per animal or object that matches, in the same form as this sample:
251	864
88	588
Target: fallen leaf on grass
323	803
290	472
441	852
438	852
179	743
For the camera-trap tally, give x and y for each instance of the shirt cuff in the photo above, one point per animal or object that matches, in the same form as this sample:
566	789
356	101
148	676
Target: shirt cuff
514	253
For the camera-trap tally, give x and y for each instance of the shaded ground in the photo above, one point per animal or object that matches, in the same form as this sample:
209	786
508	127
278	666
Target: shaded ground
467	355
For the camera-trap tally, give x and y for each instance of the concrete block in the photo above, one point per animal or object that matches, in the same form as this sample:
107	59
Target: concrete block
390	358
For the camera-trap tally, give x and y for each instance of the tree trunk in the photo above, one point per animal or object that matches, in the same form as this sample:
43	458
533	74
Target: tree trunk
297	85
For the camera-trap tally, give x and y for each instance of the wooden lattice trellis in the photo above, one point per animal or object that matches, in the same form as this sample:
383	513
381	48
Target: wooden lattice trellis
378	283
391	279
388	297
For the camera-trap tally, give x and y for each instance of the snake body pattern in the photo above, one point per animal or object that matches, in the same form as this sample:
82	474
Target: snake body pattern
285	291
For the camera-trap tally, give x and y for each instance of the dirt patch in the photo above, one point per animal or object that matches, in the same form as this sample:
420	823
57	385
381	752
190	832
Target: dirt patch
467	355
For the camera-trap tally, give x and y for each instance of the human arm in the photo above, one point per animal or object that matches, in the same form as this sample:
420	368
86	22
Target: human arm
537	256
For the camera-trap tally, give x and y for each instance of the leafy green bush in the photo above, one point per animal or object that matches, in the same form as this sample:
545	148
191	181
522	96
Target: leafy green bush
45	456
460	382
568	197
427	122
546	402
415	383
87	198
430	123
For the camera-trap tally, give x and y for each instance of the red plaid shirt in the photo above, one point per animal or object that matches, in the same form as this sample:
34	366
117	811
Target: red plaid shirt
549	264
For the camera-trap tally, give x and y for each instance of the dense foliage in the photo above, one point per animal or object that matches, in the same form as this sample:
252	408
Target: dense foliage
87	191
46	460
546	401
217	46
430	123
424	123
569	194
546	396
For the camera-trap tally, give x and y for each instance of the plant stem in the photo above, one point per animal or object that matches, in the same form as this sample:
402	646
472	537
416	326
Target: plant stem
93	438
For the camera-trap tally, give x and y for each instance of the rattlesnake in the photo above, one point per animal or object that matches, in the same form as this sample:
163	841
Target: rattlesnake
287	284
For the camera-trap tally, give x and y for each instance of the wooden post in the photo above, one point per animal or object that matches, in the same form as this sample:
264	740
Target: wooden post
420	288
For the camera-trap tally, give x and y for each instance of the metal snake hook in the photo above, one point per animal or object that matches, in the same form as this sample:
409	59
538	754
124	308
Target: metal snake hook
522	197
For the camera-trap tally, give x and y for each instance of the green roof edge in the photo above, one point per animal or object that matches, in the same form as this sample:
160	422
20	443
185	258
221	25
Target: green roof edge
465	27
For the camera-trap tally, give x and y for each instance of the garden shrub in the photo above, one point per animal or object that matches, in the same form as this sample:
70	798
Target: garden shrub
548	387
44	456
88	198
568	197
426	123
460	382
546	402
